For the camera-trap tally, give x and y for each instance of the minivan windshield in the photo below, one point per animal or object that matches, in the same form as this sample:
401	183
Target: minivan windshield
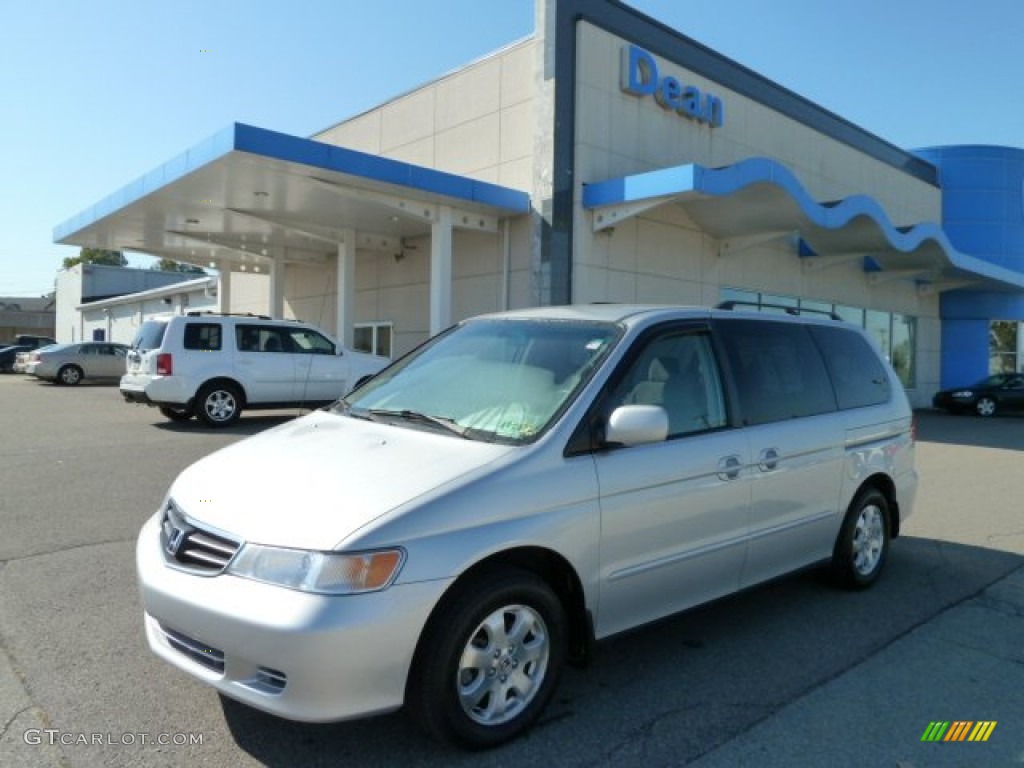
502	380
150	335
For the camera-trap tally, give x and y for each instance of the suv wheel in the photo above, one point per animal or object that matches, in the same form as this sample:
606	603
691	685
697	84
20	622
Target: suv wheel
219	404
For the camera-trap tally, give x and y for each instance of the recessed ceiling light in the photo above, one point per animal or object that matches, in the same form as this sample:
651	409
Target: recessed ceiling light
191	221
261	193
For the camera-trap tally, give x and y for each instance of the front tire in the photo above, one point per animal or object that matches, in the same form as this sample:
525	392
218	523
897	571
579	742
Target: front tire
985	407
70	375
489	660
219	404
862	546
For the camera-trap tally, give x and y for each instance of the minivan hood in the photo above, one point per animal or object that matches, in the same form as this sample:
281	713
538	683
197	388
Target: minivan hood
314	481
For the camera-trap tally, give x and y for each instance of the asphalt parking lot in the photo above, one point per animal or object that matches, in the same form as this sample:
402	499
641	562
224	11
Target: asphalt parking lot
793	673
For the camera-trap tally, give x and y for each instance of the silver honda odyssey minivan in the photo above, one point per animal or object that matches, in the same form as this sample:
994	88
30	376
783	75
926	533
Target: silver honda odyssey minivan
454	531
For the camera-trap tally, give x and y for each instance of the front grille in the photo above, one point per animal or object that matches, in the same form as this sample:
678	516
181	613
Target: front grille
186	544
209	657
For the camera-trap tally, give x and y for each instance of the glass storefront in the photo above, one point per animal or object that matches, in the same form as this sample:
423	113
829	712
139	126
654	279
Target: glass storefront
1004	346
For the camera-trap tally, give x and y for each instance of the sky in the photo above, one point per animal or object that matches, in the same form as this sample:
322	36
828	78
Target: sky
95	94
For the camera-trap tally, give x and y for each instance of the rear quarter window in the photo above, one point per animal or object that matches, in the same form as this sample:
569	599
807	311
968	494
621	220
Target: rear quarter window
202	336
150	335
778	370
857	373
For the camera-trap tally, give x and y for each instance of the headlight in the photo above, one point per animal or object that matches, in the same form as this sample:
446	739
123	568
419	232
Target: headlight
963	393
330	573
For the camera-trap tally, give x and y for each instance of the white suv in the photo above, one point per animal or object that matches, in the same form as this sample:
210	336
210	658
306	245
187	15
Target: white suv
215	365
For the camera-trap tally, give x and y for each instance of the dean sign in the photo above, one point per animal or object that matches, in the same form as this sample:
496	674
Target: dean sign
640	77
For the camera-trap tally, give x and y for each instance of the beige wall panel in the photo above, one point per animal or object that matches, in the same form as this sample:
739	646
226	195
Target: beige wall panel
475	295
470	146
517	127
361	133
517	74
419	152
407	119
516	174
468	94
476	253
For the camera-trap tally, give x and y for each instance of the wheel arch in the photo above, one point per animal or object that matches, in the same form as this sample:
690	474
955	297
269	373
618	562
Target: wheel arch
221	381
555	571
884	484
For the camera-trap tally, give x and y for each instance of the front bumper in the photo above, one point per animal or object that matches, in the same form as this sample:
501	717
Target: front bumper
314	658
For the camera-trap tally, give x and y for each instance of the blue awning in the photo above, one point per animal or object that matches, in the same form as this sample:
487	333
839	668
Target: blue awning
759	195
247	193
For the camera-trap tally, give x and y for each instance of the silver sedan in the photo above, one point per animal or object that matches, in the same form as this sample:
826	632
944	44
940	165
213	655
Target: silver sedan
70	363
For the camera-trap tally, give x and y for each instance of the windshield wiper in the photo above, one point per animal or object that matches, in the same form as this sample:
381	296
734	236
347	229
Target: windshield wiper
448	425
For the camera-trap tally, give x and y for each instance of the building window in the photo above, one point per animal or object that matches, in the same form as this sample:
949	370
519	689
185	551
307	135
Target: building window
374	338
1004	339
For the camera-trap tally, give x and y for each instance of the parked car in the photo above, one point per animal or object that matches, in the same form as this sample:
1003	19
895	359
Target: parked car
991	395
23	358
214	366
453	531
8	356
71	363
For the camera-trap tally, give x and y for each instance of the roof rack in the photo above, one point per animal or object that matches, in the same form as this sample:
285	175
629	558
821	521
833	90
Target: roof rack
200	313
794	311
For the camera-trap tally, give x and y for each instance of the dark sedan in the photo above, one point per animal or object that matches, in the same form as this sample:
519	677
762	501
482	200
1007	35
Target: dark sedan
7	355
1001	392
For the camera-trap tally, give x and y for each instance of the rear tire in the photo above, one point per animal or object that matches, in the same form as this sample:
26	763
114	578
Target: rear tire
489	660
70	375
218	404
862	546
176	414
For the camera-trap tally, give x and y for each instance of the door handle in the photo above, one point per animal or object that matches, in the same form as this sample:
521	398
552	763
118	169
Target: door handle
729	468
768	460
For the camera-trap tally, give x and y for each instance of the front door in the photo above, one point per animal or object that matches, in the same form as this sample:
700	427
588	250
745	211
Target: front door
674	513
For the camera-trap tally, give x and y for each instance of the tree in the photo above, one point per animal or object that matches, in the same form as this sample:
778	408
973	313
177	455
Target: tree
170	265
96	256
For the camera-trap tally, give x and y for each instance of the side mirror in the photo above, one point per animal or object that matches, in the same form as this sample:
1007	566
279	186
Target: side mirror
637	425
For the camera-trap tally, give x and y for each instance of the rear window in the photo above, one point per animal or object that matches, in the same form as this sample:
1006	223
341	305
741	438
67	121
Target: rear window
857	372
778	370
150	335
202	336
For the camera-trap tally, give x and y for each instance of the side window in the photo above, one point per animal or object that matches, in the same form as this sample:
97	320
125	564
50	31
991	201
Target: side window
778	370
87	349
310	342
857	372
261	338
202	336
677	371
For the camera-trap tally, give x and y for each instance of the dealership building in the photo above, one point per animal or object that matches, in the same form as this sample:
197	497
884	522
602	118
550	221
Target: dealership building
604	158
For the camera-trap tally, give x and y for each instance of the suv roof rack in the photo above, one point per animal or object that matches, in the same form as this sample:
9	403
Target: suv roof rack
795	311
200	313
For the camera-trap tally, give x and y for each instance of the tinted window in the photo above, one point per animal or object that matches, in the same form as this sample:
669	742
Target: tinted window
779	373
150	335
262	338
204	336
857	372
